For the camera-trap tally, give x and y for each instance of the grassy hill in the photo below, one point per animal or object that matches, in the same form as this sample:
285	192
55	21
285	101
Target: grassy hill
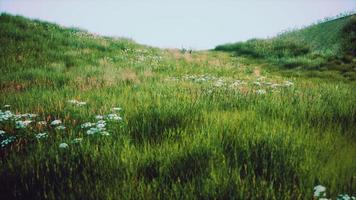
90	117
326	46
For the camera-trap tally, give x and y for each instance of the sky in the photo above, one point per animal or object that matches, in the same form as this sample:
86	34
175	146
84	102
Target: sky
196	24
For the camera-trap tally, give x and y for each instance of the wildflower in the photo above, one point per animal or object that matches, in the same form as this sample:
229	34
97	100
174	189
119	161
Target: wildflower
2	133
114	117
319	191
100	126
99	117
7	141
7	106
87	125
77	103
116	109
4	116
60	127
81	103
260	92
63	145
288	83
257	83
56	122
42	123
41	135
105	133
345	197
22	124
92	131
77	140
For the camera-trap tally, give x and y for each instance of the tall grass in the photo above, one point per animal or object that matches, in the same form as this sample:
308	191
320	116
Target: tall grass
180	138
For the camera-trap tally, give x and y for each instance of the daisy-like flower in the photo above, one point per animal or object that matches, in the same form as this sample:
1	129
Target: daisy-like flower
63	145
41	135
56	122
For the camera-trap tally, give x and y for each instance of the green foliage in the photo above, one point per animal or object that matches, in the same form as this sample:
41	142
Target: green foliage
204	125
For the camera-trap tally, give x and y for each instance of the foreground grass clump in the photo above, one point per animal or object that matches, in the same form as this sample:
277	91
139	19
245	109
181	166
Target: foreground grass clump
90	117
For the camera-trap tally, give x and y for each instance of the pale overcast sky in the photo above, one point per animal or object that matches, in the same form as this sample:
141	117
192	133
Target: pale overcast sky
198	24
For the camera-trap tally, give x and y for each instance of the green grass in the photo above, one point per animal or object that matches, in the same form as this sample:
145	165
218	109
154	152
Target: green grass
205	125
326	46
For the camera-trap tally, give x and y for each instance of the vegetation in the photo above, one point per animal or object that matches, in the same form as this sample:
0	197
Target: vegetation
327	46
93	117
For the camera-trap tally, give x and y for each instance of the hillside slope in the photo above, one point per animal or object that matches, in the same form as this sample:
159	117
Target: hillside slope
325	46
90	117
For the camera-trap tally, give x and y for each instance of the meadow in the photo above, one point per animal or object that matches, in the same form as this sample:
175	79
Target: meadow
91	117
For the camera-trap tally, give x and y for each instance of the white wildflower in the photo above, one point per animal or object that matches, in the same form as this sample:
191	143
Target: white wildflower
41	135
260	92
42	123
77	140
22	124
114	117
288	83
63	145
7	106
2	133
116	109
60	127
319	191
99	117
56	122
105	133
7	141
87	125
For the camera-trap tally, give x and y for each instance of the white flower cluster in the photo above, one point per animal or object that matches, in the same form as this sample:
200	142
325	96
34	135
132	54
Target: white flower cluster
320	194
77	103
7	141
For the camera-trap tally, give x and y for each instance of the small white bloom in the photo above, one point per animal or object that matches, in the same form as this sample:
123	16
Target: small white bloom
56	122
260	92
63	145
7	106
257	83
99	117
7	141
319	191
22	124
100	125
105	133
77	140
117	109
42	123
2	132
60	127
41	135
87	125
